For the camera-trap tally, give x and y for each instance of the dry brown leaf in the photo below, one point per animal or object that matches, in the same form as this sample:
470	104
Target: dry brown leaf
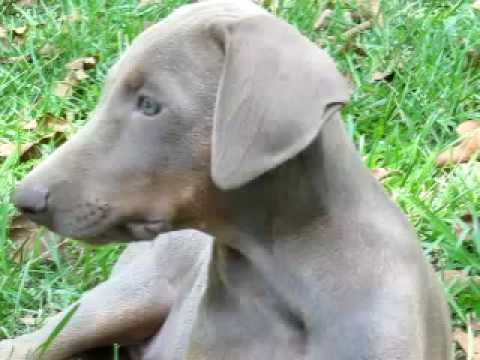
380	173
76	73
471	348
383	76
27	3
25	233
476	5
468	147
64	88
29	237
3	36
475	323
48	50
19	34
14	59
70	116
148	2
7	149
466	227
322	19
467	127
28	320
348	16
20	31
357	29
30	125
33	150
458	275
55	123
83	63
369	8
453	275
73	17
473	57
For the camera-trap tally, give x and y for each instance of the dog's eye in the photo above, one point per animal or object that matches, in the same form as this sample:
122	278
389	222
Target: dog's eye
149	106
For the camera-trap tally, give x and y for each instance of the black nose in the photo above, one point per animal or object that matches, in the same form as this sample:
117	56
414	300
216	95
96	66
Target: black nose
32	199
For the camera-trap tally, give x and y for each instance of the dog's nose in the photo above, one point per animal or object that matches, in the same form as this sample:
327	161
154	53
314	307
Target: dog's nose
32	199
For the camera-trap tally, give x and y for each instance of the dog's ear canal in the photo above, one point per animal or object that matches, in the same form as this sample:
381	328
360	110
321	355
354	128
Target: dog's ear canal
275	92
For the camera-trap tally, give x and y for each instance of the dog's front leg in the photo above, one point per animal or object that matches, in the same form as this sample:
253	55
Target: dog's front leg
127	309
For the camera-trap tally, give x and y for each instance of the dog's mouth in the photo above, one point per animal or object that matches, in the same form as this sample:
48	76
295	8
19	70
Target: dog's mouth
146	230
125	231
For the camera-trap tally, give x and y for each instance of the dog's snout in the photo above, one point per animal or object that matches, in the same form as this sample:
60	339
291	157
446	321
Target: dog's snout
32	199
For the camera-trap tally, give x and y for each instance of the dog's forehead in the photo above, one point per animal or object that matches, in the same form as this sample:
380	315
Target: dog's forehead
164	41
186	21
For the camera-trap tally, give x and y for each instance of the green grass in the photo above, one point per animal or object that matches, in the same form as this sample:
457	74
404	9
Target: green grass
400	124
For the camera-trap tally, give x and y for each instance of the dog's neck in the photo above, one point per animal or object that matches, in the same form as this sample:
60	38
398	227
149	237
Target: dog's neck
315	185
290	204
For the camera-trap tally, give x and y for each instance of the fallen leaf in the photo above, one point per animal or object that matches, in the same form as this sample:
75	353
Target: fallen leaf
70	116
352	45
76	73
465	226
3	36
83	63
73	17
369	8
64	88
357	29
30	125
20	31
475	323
7	149
29	237
470	346
383	76
348	16
28	3
48	50
453	275
380	173
28	320
469	132
23	232
148	2
33	151
467	127
450	276
19	34
473	57
467	218
322	19
476	5
14	59
55	123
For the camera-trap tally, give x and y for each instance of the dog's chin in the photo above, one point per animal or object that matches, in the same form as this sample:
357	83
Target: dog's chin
130	231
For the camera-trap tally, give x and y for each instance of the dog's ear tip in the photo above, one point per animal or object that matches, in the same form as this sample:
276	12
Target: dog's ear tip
224	182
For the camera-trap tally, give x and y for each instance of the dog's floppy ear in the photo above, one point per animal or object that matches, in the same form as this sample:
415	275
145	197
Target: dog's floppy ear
275	92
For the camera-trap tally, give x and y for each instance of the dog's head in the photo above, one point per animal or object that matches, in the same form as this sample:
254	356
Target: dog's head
206	101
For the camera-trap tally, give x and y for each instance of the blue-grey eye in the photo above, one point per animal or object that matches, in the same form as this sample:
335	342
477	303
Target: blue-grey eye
149	106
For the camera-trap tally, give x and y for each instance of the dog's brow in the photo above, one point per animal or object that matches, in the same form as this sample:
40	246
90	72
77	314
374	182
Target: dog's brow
134	79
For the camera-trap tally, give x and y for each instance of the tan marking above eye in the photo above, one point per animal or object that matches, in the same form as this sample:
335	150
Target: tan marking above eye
135	79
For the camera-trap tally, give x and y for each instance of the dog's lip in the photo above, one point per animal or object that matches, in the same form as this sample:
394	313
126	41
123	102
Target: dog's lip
147	229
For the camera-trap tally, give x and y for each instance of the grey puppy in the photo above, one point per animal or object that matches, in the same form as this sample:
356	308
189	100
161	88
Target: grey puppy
226	119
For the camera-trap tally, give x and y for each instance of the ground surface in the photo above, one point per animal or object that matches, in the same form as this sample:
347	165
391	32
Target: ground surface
416	77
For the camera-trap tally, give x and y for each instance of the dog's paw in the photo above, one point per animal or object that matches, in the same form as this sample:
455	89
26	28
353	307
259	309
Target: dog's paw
17	350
